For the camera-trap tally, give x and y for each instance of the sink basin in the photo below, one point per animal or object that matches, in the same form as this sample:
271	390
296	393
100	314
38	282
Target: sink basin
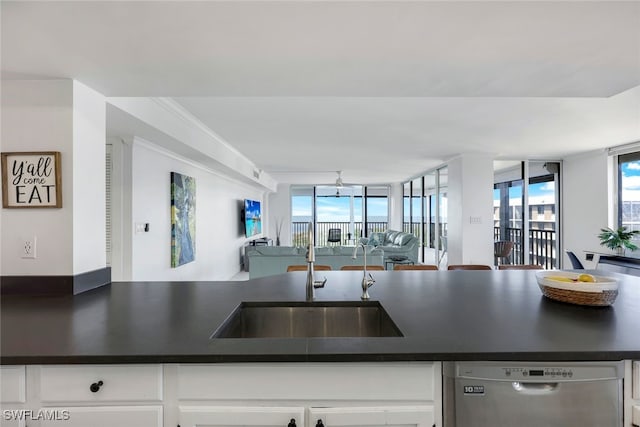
308	320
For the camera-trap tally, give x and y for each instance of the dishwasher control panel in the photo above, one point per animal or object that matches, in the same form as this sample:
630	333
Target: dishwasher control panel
539	372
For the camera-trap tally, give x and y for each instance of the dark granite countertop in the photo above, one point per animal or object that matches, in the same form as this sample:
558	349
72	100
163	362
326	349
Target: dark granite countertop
444	315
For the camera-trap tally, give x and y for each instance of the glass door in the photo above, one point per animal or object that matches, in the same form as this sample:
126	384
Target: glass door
543	202
441	207
339	210
528	216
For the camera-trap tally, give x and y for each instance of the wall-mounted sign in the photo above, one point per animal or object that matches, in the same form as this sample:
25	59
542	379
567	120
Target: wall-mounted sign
31	180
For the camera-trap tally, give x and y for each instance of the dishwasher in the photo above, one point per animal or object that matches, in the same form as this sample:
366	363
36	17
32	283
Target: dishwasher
527	394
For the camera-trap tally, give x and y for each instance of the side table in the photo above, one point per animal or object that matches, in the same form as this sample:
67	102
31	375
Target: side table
394	260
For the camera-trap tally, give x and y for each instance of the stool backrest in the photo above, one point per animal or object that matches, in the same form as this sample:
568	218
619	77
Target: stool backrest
468	267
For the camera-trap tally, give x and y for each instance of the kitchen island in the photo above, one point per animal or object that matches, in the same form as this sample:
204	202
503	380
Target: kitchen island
140	354
443	315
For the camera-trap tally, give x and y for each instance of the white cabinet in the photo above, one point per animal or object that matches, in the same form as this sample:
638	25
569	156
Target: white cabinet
12	384
632	394
378	416
12	394
107	416
119	395
392	381
227	416
384	394
101	383
83	396
398	394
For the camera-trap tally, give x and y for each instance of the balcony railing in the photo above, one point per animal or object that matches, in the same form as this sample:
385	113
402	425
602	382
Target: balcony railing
542	243
542	246
299	231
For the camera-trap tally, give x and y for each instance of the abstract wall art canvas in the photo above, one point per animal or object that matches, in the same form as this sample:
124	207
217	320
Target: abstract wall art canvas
183	219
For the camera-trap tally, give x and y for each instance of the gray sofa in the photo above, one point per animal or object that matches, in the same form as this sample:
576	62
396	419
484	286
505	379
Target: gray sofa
394	243
270	260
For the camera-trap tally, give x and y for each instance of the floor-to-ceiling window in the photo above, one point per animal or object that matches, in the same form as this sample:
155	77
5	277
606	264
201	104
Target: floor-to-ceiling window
376	209
349	211
543	221
629	191
338	209
425	213
531	222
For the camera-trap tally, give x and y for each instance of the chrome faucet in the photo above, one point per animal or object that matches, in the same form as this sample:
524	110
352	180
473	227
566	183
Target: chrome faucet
311	259
367	282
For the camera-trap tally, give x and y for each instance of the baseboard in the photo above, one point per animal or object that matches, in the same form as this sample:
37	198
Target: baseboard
55	285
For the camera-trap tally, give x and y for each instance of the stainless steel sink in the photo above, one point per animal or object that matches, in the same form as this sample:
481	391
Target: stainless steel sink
308	320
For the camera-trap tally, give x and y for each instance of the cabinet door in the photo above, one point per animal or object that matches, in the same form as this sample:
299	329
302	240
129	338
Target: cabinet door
105	416
12	384
228	416
635	417
12	396
10	420
390	416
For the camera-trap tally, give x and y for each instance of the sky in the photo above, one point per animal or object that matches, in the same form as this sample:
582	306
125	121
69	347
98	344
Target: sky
337	208
630	180
544	191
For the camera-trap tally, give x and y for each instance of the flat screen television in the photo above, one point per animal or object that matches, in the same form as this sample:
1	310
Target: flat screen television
252	218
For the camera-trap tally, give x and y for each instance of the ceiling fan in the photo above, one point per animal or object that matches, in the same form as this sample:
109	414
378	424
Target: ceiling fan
339	184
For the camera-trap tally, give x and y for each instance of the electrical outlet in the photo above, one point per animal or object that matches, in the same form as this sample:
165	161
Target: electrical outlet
29	248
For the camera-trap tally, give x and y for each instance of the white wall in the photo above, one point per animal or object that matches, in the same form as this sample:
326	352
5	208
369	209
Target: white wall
586	203
470	195
88	202
38	116
219	234
279	209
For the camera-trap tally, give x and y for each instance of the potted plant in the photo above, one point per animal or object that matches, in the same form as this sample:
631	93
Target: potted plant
618	240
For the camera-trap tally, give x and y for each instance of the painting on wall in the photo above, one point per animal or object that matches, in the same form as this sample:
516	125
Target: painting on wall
183	219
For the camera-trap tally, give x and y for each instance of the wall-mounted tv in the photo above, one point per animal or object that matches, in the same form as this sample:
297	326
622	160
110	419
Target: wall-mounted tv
252	218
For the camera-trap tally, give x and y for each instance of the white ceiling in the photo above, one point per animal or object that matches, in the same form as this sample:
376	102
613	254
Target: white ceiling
381	90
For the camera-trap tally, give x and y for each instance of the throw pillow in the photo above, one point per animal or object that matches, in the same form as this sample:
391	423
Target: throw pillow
374	239
390	237
403	238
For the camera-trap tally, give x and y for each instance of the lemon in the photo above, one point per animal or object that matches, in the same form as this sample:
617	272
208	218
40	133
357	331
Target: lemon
586	278
561	278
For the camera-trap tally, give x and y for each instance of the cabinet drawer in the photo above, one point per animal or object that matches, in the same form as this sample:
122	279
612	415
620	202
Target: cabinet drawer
398	416
108	416
227	416
12	384
101	383
636	380
409	381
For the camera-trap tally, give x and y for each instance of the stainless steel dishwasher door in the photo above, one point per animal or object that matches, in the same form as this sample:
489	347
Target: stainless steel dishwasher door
505	394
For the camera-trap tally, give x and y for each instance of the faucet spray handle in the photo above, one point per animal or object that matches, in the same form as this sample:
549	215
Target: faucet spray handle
319	283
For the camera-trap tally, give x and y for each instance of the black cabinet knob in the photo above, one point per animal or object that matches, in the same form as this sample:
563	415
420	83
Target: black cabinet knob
319	424
292	423
95	387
